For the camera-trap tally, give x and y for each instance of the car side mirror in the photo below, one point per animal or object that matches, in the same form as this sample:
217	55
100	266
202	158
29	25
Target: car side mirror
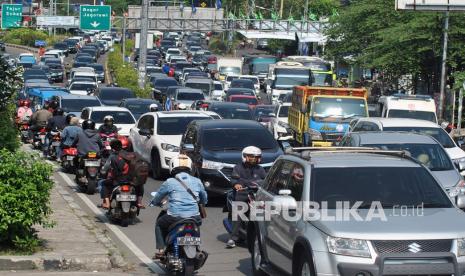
286	202
145	132
461	201
460	165
187	147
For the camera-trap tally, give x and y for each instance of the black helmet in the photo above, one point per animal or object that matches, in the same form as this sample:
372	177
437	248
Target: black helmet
116	145
88	124
68	118
59	111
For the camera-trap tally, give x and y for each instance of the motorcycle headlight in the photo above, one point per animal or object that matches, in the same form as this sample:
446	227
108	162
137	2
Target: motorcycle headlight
350	247
212	165
169	147
315	134
459	188
461	247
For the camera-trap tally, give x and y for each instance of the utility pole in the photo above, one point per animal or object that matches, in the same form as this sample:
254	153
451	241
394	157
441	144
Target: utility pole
281	9
124	38
443	69
306	11
143	42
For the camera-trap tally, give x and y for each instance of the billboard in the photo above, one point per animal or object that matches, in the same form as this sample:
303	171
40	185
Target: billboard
431	5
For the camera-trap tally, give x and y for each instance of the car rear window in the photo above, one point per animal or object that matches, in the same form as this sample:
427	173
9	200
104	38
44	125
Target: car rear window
222	139
109	94
76	105
175	125
121	117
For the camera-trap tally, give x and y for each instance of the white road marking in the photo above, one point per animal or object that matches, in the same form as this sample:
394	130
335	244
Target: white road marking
121	236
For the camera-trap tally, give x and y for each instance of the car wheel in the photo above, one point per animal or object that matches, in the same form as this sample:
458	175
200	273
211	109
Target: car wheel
156	166
257	257
304	265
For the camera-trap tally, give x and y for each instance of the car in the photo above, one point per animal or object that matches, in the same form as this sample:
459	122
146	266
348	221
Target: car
171	91
186	71
366	244
72	45
174	59
26	60
113	95
179	67
218	91
227	81
82	88
44	68
57	72
215	147
263	113
243	83
123	118
204	84
188	95
195	75
63	46
252	101
35	74
262	44
99	71
424	148
88	76
160	85
172	52
2	46
73	104
413	125
56	54
279	123
83	61
228	110
238	91
254	79
157	136
139	106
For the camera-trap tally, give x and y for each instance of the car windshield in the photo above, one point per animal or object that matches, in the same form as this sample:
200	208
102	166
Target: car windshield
84	59
254	80
116	95
322	79
391	186
218	86
242	84
190	96
291	80
121	117
175	125
61	46
430	155
27	59
229	70
139	107
338	107
52	61
412	114
98	67
82	86
223	139
246	100
232	113
165	82
83	78
205	87
283	111
436	132
76	105
263	111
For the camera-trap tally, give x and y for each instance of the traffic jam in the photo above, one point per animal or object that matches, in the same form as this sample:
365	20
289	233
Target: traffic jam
281	164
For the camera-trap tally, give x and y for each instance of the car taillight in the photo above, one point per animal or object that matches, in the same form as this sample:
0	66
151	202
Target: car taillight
125	188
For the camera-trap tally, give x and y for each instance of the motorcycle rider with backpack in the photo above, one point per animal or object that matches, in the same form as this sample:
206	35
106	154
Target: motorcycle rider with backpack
179	191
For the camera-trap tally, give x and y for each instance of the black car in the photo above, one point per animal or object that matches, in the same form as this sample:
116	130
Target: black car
44	68
229	110
113	95
85	60
2	46
62	46
30	74
160	85
72	45
215	147
242	83
139	106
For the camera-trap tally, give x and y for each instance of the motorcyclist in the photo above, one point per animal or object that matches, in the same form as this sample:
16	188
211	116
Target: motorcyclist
39	119
181	204
56	123
70	132
88	140
108	127
153	108
244	175
24	110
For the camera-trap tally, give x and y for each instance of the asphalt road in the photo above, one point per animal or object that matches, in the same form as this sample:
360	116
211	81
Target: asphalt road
221	261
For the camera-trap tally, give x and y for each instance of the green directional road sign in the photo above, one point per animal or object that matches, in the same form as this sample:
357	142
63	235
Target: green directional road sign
95	17
12	15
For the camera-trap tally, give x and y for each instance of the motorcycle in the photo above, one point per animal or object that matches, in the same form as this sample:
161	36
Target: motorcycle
23	126
106	139
87	172
38	140
54	143
182	255
123	207
68	158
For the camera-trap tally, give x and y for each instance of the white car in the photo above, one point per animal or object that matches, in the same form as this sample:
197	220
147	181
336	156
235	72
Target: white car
217	93
227	81
108	39
279	122
56	54
421	126
157	136
106	47
124	120
255	80
172	52
82	88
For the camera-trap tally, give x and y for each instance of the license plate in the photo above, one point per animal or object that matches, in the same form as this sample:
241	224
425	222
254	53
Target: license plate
92	163
188	240
69	158
322	144
126	197
56	144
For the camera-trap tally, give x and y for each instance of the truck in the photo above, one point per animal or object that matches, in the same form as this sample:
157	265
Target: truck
284	75
420	107
320	116
229	66
321	69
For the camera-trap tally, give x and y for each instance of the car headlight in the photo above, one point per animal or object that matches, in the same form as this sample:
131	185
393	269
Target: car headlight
315	134
460	247
169	147
459	188
350	247
212	165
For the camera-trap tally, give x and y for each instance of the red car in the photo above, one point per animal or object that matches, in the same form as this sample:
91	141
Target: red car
252	101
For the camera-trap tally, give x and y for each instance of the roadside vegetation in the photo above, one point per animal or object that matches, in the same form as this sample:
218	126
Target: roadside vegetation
27	37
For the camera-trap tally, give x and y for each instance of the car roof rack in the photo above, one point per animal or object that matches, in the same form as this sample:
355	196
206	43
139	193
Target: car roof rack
306	152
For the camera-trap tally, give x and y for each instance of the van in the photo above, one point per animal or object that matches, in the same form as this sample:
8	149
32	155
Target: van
420	107
204	84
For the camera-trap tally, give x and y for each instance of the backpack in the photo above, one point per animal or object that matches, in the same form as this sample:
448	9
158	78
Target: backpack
131	165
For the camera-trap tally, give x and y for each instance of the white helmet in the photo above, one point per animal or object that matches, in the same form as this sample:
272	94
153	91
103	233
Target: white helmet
251	151
153	107
182	106
180	163
108	118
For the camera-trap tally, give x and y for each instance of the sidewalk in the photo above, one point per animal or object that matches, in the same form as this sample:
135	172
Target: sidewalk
73	244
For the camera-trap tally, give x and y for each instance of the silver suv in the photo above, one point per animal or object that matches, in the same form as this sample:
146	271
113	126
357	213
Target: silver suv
422	233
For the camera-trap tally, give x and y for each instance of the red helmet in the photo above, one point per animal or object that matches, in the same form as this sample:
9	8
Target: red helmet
27	103
124	141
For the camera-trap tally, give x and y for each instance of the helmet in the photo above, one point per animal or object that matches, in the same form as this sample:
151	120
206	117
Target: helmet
116	145
27	103
88	124
182	106
22	102
180	163
59	111
108	119
251	155
124	141
68	118
153	107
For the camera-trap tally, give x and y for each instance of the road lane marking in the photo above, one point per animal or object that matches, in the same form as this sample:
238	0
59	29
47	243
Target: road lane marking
121	236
